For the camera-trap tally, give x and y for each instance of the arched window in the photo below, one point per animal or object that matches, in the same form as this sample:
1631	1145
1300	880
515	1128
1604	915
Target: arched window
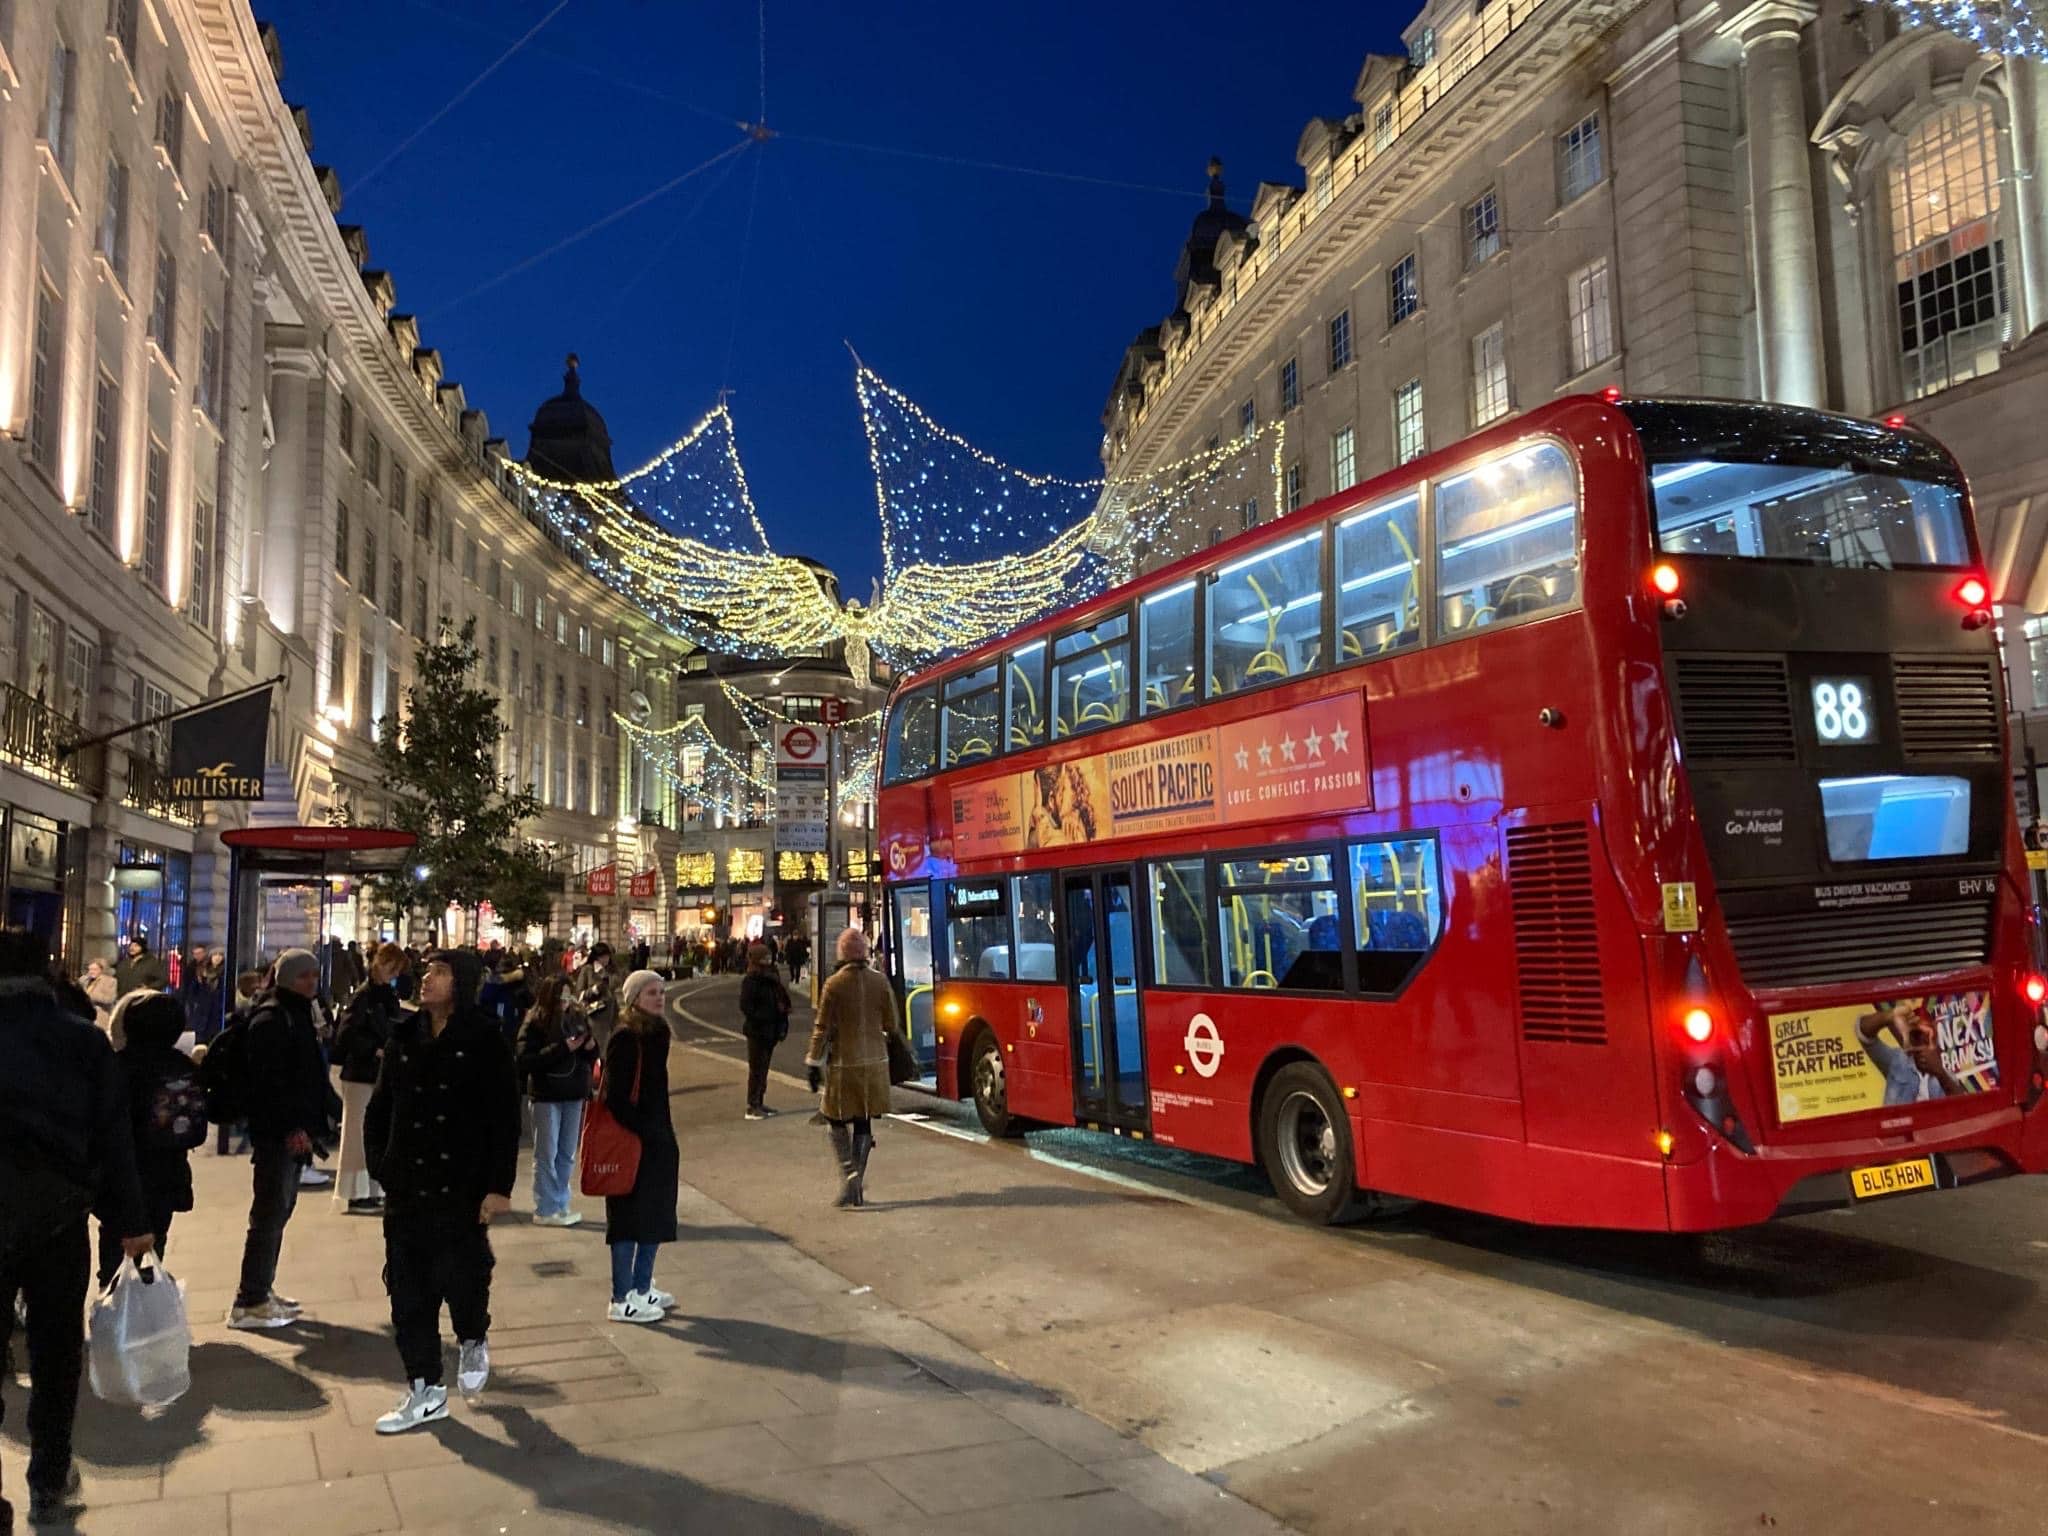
1948	260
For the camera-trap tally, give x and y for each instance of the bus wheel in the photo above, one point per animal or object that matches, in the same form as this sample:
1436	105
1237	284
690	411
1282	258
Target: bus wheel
991	1087
1305	1145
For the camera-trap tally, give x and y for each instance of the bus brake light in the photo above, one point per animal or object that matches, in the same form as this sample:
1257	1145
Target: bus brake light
1699	1026
1664	577
1972	592
2035	988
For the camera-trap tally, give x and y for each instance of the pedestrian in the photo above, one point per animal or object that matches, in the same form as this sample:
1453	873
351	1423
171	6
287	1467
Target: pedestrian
101	990
443	1135
359	1043
796	952
200	994
138	970
636	1092
764	1020
286	1097
166	1115
849	1058
597	993
554	1055
66	1153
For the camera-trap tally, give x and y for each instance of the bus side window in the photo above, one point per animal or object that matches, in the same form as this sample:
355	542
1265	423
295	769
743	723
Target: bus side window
1091	676
1507	537
912	738
1033	910
969	722
1379	580
1182	940
1024	696
1266	615
978	930
1397	904
1166	641
1279	926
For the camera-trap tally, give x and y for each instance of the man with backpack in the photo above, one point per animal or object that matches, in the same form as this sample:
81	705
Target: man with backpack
66	1153
279	1078
166	1113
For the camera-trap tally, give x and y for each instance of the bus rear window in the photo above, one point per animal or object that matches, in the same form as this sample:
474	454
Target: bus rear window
1842	515
912	741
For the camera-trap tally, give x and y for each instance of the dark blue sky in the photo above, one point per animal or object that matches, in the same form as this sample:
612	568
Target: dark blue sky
1000	302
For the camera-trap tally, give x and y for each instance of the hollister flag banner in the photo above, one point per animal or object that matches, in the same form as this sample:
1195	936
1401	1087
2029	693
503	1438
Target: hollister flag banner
217	752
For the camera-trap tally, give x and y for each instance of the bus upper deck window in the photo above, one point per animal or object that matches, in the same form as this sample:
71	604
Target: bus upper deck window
1379	579
911	746
1091	676
1024	696
969	726
1266	615
1507	539
1166	640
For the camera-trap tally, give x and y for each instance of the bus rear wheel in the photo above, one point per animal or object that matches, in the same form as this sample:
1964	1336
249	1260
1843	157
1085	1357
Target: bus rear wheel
1305	1146
991	1084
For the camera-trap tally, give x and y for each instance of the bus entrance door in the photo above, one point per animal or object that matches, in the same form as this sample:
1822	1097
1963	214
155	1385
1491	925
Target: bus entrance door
1102	999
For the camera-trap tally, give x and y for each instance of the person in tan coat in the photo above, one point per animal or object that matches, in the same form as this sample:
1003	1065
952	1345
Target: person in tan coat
849	1059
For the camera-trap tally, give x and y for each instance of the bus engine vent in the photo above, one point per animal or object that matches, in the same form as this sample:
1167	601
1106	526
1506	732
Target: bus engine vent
1735	709
1947	708
1808	949
1557	951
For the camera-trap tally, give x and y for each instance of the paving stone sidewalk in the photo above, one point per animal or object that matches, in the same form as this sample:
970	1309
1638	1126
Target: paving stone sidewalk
778	1398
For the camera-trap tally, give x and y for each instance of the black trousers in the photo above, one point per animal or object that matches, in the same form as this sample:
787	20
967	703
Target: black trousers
50	1272
761	1043
159	1213
433	1256
274	1194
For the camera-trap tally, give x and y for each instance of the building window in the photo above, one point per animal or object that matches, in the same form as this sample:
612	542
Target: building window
1290	385
393	694
1248	514
341	540
345	416
163	305
1248	420
1579	162
583	704
81	675
1404	292
207	387
398	487
559	776
424	522
538	699
561	696
155	470
46	377
1340	340
518	598
121	27
1325	186
1382	126
1490	374
491	660
1591	308
1423	49
106	469
469	553
1409	439
1482	229
366	692
199	600
1948	259
447	541
170	128
582	639
394	597
60	106
1343	460
214	215
113	235
561	626
419	607
583	785
608	652
1294	487
337	667
373	460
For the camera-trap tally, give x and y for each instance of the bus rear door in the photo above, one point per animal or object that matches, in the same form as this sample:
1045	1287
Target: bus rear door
1103	1003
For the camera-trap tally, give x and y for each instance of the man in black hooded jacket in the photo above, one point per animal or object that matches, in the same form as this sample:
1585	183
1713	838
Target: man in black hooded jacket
441	1136
66	1152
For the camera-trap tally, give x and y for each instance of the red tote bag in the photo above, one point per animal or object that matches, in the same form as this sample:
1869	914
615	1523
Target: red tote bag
610	1154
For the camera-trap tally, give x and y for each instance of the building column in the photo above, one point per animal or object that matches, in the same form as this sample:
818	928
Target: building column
2026	98
1781	197
285	513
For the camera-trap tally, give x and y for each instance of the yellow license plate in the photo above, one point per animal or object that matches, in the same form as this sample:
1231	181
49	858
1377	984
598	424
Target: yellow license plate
1891	1178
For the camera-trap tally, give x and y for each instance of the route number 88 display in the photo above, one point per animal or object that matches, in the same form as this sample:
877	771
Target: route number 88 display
1841	710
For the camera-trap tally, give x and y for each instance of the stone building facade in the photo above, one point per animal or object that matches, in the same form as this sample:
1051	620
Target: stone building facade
1796	200
226	454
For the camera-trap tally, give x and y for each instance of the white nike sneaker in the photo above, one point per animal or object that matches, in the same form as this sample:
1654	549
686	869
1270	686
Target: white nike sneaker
474	1368
636	1308
421	1405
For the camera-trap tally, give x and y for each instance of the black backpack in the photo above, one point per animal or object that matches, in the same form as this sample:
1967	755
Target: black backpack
224	1074
178	1110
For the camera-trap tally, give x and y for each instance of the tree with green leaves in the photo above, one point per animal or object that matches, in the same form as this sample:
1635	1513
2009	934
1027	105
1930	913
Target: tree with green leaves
523	894
439	773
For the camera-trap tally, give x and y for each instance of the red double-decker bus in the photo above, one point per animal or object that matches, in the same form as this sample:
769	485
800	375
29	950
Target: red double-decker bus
1604	821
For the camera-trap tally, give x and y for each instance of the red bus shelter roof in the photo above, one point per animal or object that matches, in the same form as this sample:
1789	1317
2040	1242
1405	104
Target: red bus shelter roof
320	850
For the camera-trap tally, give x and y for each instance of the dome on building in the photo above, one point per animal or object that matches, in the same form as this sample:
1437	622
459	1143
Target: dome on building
1198	257
567	439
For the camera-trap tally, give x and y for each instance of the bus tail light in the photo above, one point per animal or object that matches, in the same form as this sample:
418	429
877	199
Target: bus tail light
2035	988
1703	1074
1664	577
1698	1025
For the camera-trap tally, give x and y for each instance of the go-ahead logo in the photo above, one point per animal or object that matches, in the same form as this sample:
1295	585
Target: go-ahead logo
1204	1045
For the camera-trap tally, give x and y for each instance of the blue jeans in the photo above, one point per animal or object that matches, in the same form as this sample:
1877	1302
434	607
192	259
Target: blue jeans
556	1130
632	1268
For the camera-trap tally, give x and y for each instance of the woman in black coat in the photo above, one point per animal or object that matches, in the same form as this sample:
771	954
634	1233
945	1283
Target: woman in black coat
166	1108
764	1020
366	1026
636	1092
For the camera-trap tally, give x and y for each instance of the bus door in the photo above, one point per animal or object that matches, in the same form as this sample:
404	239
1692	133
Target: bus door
910	909
1101	941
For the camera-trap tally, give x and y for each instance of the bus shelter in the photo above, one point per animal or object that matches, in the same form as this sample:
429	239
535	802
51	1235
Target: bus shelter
280	885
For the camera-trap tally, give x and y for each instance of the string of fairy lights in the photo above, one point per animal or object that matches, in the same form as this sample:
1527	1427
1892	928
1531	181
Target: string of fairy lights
2009	27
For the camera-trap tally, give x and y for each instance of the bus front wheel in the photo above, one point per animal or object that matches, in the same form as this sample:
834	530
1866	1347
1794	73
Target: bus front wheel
991	1083
1305	1146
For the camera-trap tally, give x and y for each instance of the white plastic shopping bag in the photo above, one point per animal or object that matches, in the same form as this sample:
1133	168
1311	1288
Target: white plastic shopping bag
141	1352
